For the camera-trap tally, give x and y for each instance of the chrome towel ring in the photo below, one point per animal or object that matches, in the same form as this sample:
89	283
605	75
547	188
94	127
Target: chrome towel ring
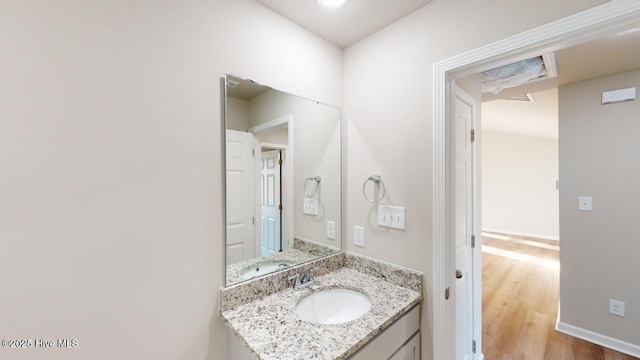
377	180
316	180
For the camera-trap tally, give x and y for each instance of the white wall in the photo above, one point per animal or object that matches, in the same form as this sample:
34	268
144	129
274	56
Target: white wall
111	174
388	110
599	249
519	176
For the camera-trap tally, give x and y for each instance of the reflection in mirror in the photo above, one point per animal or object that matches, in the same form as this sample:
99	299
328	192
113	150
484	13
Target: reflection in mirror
282	179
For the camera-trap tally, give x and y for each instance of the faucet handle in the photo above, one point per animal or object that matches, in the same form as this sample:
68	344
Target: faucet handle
293	280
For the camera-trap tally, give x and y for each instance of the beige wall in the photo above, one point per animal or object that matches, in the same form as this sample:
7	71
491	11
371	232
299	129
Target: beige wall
237	114
111	213
316	148
599	249
280	136
388	117
519	176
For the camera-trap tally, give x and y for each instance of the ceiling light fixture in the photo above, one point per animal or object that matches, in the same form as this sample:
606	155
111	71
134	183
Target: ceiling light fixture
332	4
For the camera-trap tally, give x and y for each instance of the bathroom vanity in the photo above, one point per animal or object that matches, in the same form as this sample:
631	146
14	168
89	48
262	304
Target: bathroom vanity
265	320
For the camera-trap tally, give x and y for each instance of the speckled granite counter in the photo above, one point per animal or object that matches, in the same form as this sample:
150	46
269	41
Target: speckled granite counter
269	327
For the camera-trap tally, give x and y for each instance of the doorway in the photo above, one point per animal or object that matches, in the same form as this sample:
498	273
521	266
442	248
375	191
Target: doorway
518	138
607	19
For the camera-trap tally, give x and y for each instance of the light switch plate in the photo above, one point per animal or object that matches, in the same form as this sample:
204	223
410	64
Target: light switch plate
585	203
392	217
310	207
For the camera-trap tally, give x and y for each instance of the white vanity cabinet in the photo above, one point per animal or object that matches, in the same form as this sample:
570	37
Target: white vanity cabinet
410	350
237	351
400	341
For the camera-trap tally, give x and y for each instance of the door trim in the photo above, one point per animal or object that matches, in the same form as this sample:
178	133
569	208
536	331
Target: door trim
606	19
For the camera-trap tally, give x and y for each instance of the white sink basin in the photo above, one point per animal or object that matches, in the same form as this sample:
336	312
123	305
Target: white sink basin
262	269
334	306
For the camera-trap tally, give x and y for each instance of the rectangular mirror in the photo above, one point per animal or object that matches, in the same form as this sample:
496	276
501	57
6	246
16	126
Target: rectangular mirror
282	182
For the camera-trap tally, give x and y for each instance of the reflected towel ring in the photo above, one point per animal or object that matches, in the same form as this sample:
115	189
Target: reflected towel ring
378	180
316	180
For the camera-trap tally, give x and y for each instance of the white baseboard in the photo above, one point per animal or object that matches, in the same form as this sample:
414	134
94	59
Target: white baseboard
480	356
511	232
599	339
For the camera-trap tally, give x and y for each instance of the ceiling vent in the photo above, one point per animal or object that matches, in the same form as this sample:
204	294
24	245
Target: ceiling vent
519	73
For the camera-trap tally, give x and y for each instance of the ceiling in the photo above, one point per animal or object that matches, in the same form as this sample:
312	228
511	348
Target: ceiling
603	57
347	25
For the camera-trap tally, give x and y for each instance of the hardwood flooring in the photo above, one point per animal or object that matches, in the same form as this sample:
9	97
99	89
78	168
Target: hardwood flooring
520	303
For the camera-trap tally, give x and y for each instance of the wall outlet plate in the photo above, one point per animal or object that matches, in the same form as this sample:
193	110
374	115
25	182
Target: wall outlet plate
616	307
331	230
358	236
392	217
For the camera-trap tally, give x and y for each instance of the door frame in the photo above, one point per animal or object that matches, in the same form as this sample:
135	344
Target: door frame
606	19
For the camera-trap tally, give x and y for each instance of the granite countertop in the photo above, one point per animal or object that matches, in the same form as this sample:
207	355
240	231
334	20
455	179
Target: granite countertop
289	257
270	328
304	250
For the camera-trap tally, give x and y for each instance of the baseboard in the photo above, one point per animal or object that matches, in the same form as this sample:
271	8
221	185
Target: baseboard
480	356
511	232
599	339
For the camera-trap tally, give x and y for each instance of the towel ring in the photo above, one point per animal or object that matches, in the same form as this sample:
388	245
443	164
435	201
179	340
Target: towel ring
316	180
378	180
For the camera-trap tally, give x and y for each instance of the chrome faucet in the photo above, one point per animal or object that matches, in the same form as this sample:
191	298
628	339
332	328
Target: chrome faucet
308	278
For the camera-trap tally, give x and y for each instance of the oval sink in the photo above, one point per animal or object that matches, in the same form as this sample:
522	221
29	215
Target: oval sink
262	269
334	306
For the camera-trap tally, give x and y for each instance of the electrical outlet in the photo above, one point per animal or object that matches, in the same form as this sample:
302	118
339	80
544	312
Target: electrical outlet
331	230
358	236
616	307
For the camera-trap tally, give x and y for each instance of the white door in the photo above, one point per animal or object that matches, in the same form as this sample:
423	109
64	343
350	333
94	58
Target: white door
464	112
241	189
270	176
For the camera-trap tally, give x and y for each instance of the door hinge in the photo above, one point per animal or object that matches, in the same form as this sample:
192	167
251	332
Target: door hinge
280	207
447	293
253	220
473	345
473	241
473	135
279	161
253	152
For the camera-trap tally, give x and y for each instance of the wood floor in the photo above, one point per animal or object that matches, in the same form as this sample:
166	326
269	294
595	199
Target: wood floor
520	303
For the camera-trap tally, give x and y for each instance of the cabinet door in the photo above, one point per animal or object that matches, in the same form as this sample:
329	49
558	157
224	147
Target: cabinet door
410	350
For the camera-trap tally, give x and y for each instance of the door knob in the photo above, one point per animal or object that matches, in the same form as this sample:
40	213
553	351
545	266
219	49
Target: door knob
458	274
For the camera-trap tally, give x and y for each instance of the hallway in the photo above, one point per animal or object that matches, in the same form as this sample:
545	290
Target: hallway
520	303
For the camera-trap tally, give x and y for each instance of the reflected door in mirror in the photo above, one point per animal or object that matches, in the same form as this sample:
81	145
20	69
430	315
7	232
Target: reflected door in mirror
271	202
241	229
